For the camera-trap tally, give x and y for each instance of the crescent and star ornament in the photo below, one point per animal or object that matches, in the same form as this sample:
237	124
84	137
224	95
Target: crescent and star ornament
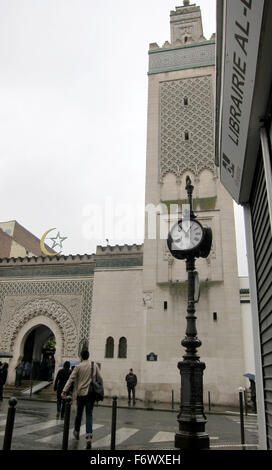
56	243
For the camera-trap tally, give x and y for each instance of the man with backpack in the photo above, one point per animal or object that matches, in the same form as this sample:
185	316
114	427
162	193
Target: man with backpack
81	378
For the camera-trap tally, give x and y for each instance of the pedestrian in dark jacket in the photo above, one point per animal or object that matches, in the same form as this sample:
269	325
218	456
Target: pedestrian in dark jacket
131	380
19	373
253	395
50	366
27	370
61	379
3	378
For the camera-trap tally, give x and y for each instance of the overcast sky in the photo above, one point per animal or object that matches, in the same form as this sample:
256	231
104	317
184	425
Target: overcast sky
73	107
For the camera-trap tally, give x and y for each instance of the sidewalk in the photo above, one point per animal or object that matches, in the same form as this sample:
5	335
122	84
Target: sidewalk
121	402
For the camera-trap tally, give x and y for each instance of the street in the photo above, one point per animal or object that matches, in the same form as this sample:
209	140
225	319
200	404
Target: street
36	428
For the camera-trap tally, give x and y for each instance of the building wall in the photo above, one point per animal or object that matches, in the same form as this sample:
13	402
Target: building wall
261	216
27	240
21	242
8	227
117	312
75	304
18	250
5	244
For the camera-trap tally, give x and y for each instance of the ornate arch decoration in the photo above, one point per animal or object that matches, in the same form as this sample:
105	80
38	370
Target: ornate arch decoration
50	309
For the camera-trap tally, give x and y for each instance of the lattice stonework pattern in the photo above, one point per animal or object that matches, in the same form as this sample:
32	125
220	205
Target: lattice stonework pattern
186	126
41	302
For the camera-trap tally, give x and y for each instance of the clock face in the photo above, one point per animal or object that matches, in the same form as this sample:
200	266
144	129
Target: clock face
186	235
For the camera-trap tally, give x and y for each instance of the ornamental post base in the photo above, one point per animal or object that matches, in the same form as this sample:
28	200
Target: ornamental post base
195	441
191	419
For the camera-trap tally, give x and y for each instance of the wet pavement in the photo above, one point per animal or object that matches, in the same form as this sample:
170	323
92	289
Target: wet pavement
143	427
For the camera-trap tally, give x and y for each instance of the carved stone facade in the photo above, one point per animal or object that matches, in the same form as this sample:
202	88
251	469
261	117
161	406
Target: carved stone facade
33	298
54	292
186	126
47	308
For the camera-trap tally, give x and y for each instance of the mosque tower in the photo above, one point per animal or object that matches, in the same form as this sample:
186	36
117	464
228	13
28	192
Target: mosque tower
180	142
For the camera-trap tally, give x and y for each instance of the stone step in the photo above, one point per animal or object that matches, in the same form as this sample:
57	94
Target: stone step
11	390
25	384
35	388
49	389
48	392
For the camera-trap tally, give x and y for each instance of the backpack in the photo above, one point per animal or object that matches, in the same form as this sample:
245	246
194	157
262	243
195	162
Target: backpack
95	390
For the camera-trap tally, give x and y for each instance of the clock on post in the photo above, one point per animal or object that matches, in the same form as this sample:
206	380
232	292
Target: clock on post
187	240
188	237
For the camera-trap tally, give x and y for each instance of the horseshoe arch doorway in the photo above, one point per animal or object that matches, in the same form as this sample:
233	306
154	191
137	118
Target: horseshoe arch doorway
38	350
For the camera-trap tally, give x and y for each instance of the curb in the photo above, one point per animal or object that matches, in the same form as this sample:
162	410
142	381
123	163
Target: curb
142	408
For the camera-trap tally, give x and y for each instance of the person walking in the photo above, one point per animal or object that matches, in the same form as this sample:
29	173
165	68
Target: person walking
1	388
131	380
61	379
50	366
27	370
81	378
19	373
3	378
253	395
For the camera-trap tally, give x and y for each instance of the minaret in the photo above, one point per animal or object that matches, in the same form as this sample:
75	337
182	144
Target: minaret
180	142
186	23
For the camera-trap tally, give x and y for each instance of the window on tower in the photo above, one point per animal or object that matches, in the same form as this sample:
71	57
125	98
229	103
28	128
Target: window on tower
185	101
186	135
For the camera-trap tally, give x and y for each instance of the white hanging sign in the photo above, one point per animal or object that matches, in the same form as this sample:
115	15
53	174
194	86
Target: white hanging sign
242	27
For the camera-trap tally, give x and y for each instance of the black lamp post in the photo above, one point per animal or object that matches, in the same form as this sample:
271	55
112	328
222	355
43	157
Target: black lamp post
189	241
